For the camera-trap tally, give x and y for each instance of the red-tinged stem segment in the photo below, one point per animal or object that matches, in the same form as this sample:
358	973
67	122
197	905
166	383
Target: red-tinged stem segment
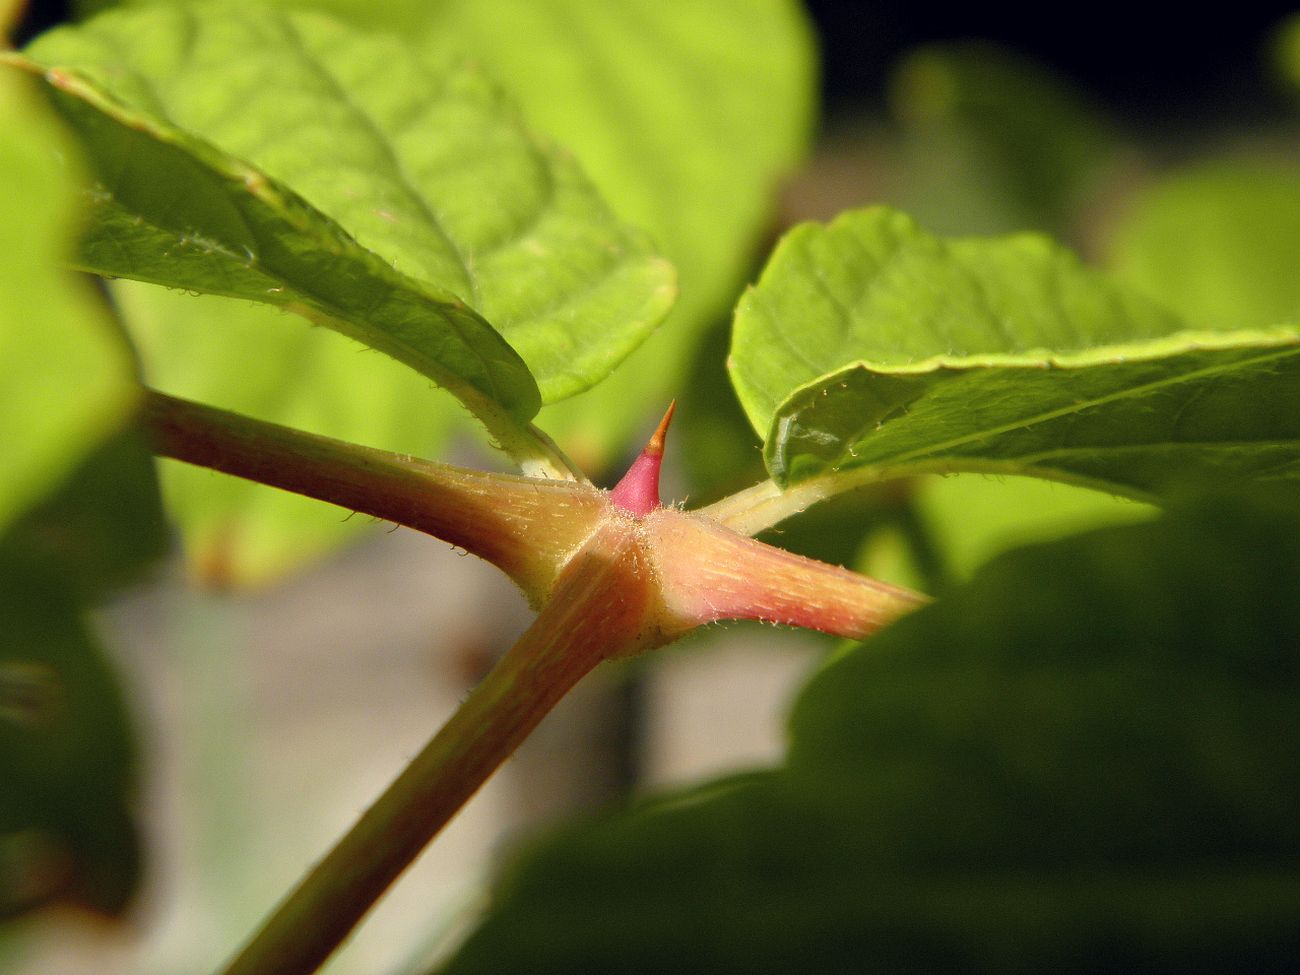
528	527
613	574
638	492
599	609
708	573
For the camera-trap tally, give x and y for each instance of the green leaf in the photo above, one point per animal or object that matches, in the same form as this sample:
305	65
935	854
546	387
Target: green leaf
103	526
66	749
260	155
971	518
870	348
687	116
398	15
621	86
1219	244
67	378
1083	759
235	531
66	759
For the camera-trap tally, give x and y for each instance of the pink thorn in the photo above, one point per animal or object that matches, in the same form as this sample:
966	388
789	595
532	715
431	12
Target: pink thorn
638	492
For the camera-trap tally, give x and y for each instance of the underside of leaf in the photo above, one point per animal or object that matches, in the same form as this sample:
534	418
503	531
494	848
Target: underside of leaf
871	349
267	156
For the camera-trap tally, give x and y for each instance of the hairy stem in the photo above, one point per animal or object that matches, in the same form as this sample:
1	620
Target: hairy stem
707	573
611	573
525	526
598	610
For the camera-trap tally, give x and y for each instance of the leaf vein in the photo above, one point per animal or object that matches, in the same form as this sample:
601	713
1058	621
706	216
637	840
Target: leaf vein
1079	405
383	144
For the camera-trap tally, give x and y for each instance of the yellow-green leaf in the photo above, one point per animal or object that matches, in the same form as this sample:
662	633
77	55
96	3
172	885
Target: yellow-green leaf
66	379
870	348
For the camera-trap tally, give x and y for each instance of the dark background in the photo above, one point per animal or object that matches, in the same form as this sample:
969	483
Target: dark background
1139	59
1142	61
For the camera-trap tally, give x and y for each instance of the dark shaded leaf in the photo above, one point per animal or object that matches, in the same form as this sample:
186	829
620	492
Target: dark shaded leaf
1083	760
66	759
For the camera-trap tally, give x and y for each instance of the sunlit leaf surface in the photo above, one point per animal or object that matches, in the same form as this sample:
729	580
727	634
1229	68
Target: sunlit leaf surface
261	155
687	116
870	346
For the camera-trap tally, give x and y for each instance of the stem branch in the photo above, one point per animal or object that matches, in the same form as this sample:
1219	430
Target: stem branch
525	526
598	610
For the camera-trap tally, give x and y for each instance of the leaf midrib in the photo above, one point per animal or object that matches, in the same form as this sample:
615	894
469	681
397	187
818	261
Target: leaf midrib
165	132
397	169
1076	407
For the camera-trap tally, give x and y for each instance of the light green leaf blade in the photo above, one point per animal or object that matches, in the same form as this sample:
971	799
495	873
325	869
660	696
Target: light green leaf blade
1220	244
67	377
687	116
408	16
173	210
237	532
1088	749
270	160
971	517
871	348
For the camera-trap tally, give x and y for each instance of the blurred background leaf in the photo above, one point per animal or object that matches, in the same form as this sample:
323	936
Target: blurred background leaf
1086	752
67	752
1286	53
992	142
67	376
974	517
104	526
396	15
1217	242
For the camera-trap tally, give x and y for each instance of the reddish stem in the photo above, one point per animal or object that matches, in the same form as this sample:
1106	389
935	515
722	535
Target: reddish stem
598	610
528	527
